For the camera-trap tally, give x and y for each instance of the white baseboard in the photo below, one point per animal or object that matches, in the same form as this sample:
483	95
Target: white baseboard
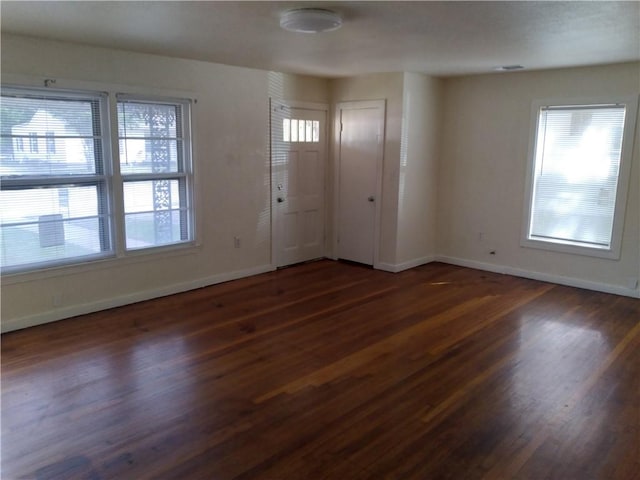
399	267
544	277
82	309
75	310
462	262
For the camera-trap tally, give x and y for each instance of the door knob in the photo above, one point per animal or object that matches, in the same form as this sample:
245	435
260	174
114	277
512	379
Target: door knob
371	198
280	199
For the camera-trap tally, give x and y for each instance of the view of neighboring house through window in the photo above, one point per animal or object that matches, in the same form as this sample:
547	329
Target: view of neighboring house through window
55	195
33	142
37	228
51	142
579	177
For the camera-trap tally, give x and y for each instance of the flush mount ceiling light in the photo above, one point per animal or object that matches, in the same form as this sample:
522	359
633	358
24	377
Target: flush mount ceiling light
310	20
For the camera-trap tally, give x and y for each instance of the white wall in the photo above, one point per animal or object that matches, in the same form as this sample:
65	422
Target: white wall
465	144
418	174
411	155
486	129
231	134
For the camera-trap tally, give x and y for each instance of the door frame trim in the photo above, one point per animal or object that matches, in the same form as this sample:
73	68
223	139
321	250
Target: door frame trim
275	104
379	105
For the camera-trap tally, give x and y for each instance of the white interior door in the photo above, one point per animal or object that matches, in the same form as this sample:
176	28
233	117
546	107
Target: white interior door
360	160
299	159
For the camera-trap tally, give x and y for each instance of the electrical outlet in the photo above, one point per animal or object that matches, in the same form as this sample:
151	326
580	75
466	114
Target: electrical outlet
236	242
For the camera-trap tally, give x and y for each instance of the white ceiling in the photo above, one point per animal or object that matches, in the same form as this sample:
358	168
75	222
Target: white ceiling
437	38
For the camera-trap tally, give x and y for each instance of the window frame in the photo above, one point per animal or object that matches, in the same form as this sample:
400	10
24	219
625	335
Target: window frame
624	177
185	176
114	182
101	179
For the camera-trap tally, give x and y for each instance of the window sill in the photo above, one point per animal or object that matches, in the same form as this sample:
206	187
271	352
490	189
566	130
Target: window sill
558	247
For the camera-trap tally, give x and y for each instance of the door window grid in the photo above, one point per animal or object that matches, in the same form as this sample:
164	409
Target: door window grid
299	130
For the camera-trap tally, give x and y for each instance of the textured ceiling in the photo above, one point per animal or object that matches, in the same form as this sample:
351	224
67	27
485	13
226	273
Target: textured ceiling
437	38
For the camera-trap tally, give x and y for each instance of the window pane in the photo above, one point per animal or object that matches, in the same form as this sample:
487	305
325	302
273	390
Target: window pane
316	131
147	196
143	229
301	124
152	142
138	155
294	130
286	130
69	156
148	120
308	135
154	215
45	136
41	112
150	138
576	175
51	142
51	224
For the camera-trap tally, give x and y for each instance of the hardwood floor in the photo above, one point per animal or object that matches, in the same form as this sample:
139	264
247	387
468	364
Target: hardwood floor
332	371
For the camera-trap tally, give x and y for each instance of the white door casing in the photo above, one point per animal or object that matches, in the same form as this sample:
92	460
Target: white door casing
360	126
298	183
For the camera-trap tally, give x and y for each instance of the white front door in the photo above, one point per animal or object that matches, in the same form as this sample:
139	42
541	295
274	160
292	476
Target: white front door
298	161
360	160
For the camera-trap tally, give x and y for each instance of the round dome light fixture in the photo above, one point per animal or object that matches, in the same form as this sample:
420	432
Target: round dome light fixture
310	20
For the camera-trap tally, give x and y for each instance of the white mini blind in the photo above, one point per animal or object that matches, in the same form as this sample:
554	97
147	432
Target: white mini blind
576	174
155	164
57	176
54	196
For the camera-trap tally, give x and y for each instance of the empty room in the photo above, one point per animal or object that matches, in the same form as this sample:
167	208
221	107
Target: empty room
320	240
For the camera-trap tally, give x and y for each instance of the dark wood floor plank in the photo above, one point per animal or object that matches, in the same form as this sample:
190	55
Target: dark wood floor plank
332	371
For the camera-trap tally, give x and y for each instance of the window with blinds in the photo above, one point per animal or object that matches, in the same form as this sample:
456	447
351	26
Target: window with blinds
54	194
56	169
155	168
575	187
